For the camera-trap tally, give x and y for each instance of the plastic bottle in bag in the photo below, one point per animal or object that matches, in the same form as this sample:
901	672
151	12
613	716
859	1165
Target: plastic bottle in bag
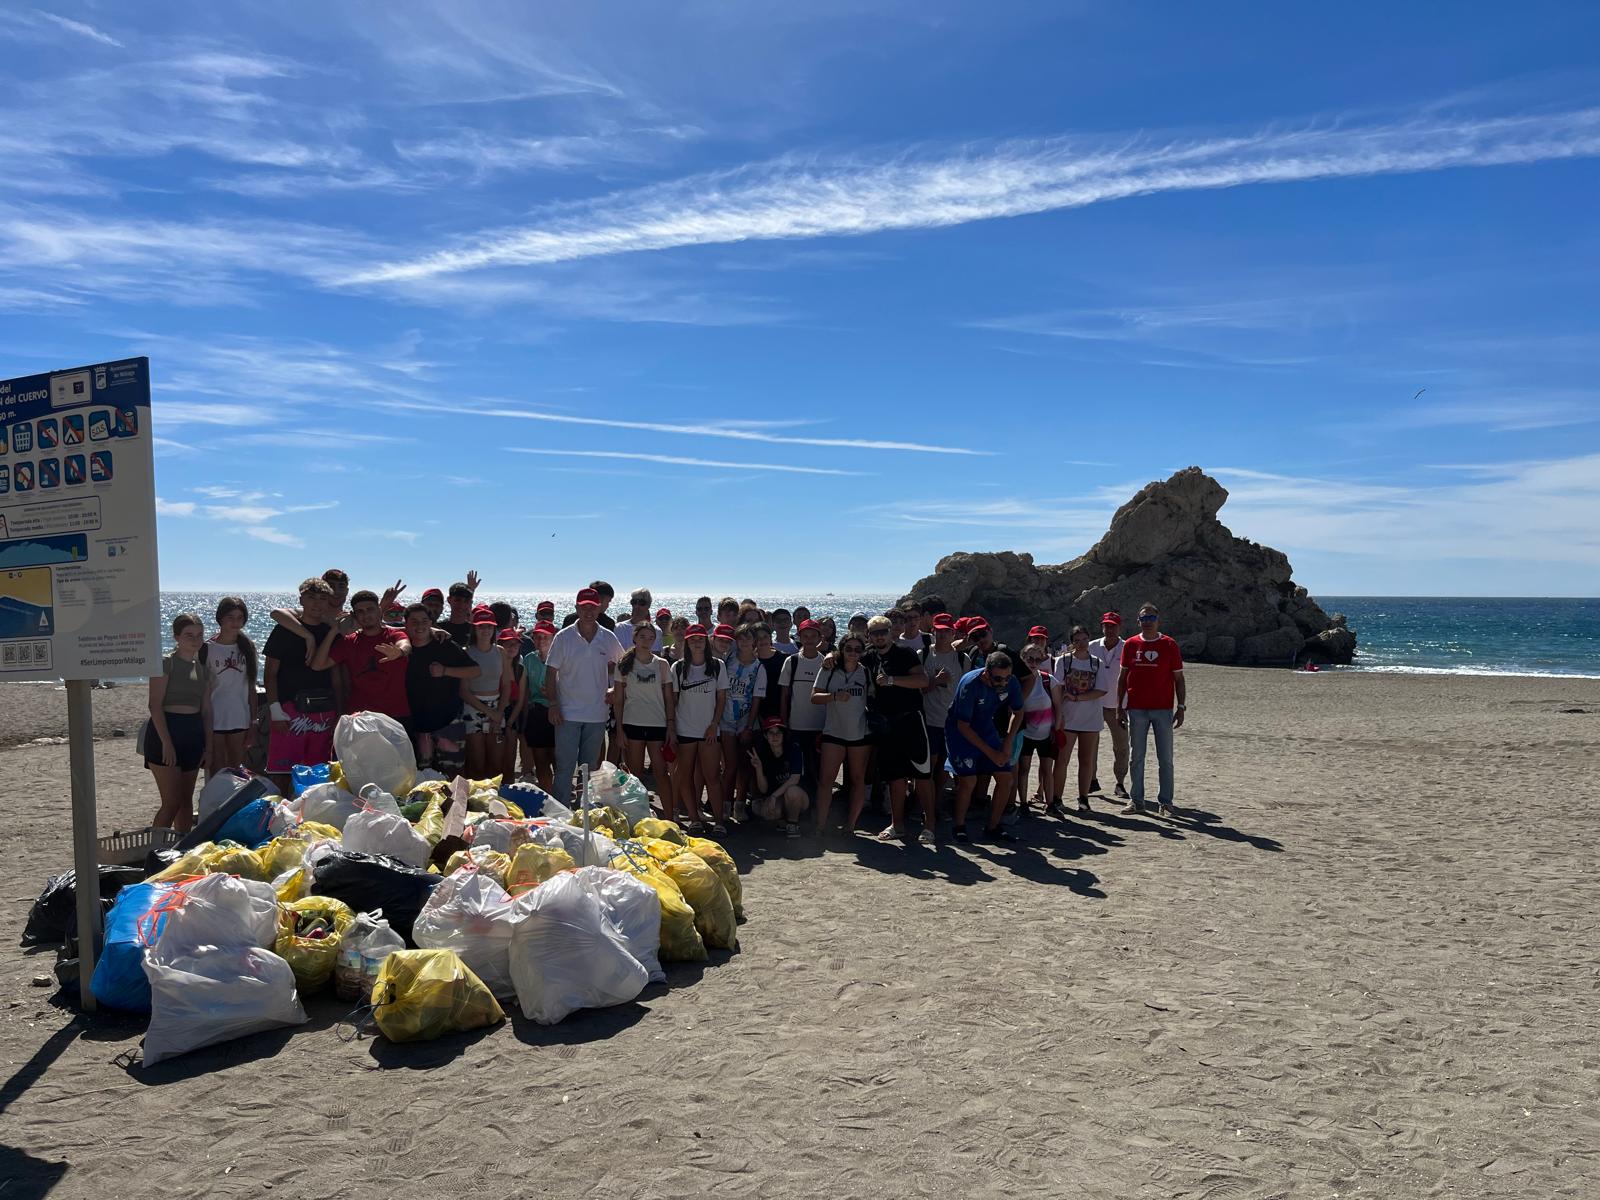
377	946
348	973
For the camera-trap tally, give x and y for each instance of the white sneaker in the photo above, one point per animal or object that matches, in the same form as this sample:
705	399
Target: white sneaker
1134	809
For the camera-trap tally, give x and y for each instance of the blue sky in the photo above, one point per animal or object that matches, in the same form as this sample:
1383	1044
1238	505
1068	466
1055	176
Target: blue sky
773	297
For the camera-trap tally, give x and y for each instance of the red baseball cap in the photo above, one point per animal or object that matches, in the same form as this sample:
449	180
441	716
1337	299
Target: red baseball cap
589	596
545	606
482	616
1039	631
979	625
808	623
663	612
723	631
545	627
433	592
1111	618
698	631
772	723
509	635
945	621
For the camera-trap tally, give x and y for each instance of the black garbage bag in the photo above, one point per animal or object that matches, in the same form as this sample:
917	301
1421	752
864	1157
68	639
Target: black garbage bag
56	909
372	881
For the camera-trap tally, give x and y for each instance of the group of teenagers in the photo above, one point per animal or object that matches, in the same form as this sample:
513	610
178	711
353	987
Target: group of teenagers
736	713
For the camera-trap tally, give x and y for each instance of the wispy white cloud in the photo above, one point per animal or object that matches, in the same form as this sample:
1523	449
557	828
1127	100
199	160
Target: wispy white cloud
278	537
174	508
244	513
1503	414
677	461
788	201
730	431
189	412
80	28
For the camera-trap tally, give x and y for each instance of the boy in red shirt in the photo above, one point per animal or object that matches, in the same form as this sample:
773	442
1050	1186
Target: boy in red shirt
377	679
1151	683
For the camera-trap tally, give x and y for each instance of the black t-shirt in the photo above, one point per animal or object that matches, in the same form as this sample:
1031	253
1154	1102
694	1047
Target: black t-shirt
434	702
459	632
771	705
290	651
773	766
894	662
1020	671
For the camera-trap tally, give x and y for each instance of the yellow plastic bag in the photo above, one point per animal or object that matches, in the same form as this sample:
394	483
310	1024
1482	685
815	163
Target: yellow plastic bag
607	818
230	859
720	861
336	775
431	823
713	910
423	994
280	855
481	792
489	862
533	864
191	862
312	958
655	827
315	831
513	810
662	850
292	886
680	940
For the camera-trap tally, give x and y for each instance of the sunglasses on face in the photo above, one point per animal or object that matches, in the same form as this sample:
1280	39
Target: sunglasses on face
1148	620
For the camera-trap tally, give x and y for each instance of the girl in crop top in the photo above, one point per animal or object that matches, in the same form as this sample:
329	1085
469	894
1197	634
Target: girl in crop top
178	735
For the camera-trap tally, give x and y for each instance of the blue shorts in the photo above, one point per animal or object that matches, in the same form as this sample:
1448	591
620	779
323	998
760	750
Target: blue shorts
963	760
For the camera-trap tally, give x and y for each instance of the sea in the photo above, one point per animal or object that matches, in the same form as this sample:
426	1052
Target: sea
1422	635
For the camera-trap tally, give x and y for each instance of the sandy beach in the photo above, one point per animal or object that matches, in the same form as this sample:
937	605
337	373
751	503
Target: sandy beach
1362	964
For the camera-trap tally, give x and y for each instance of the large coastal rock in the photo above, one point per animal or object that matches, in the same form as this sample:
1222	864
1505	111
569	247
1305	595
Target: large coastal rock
1225	599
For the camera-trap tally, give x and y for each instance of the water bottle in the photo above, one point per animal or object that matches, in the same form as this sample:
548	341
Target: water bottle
347	969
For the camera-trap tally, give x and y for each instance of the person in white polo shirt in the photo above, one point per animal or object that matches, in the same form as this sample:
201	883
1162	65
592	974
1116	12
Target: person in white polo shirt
1108	652
583	658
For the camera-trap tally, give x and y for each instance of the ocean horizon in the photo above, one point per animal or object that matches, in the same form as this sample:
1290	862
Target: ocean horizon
1420	635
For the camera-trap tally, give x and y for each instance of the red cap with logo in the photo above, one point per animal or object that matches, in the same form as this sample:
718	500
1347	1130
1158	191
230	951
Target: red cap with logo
945	621
433	592
772	723
979	625
588	596
548	606
483	616
723	631
509	635
1039	631
808	623
546	627
663	612
694	631
1111	618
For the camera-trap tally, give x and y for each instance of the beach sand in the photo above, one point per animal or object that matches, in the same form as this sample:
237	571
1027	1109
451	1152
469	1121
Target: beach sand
1364	964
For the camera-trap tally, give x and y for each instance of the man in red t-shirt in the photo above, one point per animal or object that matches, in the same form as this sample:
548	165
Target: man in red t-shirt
377	681
1151	683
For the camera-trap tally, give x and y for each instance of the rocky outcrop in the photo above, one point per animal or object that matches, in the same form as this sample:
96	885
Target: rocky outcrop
1225	599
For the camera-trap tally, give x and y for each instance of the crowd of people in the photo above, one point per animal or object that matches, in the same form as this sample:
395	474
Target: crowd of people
734	713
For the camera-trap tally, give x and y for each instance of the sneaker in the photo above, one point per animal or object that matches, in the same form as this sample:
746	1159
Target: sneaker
1134	809
1094	784
1083	805
1169	812
925	838
1121	792
962	835
1054	809
1000	834
792	829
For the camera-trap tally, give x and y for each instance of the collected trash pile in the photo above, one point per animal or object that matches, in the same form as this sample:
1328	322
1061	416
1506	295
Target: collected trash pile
433	901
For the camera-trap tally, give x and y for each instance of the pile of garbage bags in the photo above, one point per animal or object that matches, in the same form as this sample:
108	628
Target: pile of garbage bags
435	901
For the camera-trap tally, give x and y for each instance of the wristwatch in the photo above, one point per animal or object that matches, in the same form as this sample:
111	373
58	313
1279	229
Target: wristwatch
1181	707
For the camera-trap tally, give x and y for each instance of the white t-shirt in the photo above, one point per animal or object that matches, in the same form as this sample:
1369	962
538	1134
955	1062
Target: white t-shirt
643	701
1081	716
697	696
1110	660
936	700
230	688
799	675
747	683
585	668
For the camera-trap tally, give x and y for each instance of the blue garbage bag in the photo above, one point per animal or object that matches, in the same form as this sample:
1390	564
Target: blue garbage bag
134	922
248	826
303	777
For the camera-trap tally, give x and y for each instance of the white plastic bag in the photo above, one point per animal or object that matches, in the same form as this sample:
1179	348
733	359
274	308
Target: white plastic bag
216	994
372	831
373	748
374	796
224	785
565	954
472	914
327	803
218	910
504	836
632	906
594	851
632	797
285	818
